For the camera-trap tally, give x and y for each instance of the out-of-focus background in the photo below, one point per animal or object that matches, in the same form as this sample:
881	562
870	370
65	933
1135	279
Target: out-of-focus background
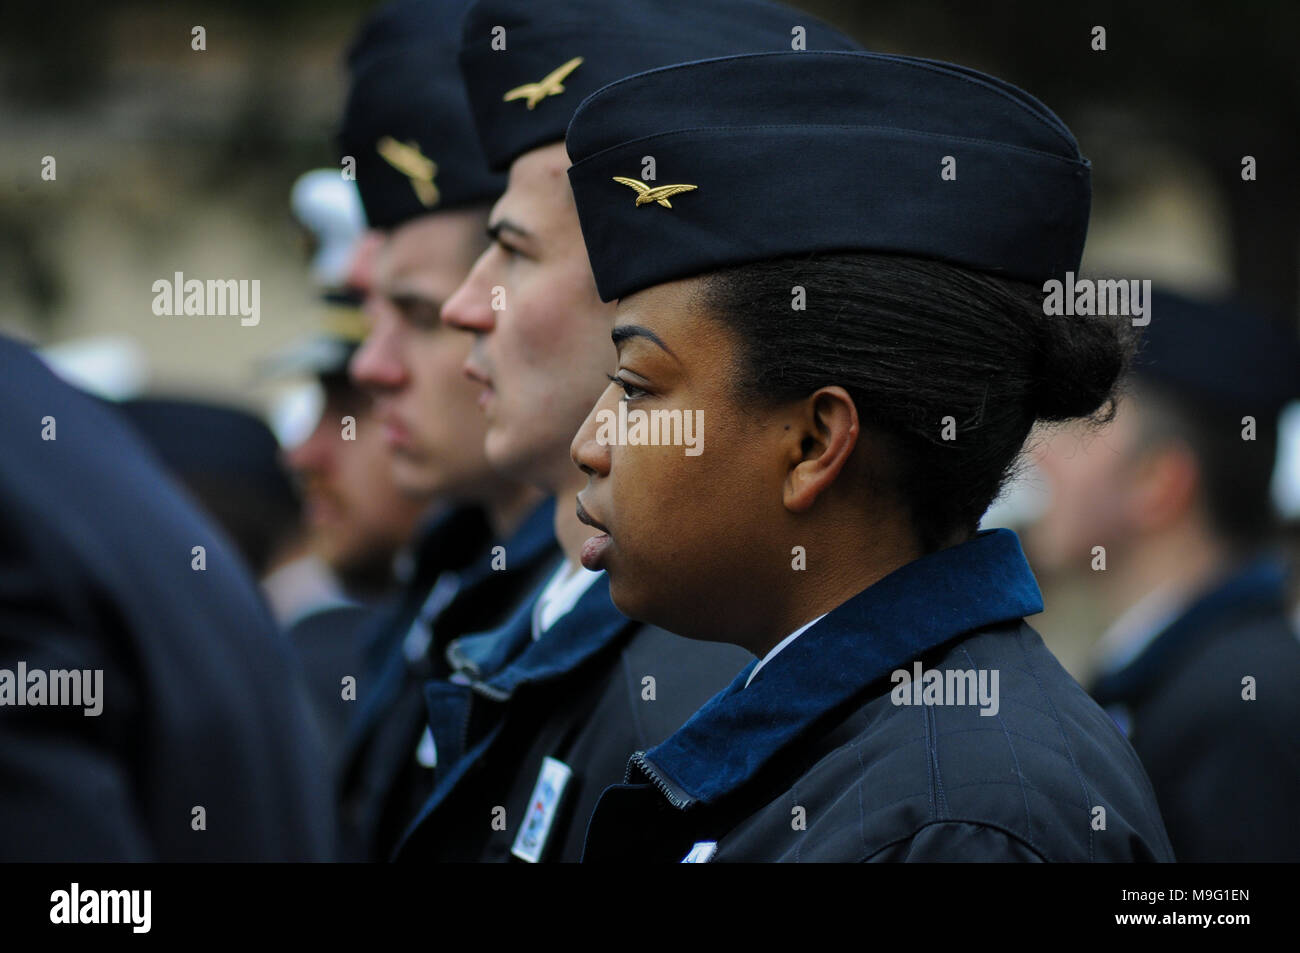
170	159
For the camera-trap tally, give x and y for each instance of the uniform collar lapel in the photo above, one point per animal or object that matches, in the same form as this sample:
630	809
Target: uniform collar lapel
479	654
926	603
486	652
508	657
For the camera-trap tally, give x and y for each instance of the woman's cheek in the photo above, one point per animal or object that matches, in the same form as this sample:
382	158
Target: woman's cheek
646	504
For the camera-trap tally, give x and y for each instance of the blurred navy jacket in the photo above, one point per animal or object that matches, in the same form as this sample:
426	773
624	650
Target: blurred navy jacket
1223	754
202	704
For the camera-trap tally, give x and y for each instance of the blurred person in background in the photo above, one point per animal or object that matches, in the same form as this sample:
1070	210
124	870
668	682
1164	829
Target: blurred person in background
188	736
232	464
225	456
358	522
229	460
426	190
1167	513
358	517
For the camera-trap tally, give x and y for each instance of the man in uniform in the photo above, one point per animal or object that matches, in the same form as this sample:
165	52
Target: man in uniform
359	522
358	517
425	186
541	716
1201	664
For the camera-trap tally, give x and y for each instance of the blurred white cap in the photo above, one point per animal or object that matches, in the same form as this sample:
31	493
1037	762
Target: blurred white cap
329	206
295	411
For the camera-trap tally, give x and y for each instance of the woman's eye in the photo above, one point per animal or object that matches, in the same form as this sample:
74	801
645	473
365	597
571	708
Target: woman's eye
630	391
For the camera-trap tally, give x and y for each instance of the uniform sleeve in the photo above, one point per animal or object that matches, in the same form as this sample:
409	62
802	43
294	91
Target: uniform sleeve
958	842
67	795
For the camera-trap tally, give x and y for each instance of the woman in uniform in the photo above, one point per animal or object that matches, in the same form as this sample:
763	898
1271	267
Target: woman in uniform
836	272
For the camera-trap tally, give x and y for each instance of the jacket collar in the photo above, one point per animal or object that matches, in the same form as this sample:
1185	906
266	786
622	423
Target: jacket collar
534	538
449	539
498	662
1256	588
930	601
465	531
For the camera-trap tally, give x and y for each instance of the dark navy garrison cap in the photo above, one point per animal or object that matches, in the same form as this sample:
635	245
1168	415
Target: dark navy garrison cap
1219	354
792	153
558	52
406	121
203	441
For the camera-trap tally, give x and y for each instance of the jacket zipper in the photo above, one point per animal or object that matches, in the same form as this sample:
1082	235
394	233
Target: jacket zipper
677	798
489	691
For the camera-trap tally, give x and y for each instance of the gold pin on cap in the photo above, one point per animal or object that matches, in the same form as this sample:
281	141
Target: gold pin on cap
660	193
407	159
552	84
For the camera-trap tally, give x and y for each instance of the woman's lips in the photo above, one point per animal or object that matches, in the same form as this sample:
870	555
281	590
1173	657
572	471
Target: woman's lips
593	552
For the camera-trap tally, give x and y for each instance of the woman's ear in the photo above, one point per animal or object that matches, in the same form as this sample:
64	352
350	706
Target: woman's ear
822	439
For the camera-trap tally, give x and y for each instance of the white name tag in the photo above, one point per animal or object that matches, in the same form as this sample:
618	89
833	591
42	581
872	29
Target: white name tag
542	808
701	853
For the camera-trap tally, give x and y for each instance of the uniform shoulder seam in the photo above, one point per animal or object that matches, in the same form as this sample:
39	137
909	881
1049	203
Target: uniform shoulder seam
1025	842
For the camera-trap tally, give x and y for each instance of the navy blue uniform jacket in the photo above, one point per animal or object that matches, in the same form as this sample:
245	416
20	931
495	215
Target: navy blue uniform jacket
819	759
1223	754
455	589
202	703
578	694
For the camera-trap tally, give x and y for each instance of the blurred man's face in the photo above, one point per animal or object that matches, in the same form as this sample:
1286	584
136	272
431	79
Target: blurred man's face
541	332
412	364
357	516
1094	485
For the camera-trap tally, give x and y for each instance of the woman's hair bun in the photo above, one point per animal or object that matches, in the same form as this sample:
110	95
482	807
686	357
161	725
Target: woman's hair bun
1080	360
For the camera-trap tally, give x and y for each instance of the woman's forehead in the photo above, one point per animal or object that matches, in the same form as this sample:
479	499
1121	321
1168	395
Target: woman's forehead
672	319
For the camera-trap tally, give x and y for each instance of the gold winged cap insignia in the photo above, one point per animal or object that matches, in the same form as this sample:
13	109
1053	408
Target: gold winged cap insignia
552	84
660	193
407	159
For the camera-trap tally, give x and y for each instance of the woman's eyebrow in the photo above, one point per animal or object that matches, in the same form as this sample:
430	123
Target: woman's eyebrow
623	332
